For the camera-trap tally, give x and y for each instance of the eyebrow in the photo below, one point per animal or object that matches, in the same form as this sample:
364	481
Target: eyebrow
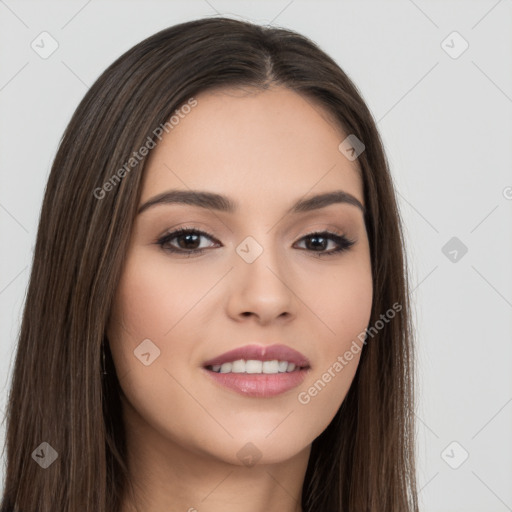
222	203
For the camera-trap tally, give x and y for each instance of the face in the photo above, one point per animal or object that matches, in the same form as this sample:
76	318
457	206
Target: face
262	275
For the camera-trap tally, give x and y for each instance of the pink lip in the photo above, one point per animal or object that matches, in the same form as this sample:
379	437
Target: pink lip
261	353
259	385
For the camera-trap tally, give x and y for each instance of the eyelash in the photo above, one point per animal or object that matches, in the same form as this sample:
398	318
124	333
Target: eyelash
343	242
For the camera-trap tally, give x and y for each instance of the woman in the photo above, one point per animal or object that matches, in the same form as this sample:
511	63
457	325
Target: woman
218	313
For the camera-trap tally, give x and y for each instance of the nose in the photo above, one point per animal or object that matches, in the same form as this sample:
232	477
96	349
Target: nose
262	290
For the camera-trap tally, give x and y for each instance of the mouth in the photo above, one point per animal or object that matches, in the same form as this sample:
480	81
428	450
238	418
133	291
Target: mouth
259	371
256	367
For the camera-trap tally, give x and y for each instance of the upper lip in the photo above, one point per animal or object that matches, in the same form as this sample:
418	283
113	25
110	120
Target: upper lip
261	353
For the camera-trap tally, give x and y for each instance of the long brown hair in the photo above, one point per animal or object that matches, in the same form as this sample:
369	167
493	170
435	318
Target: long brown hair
364	460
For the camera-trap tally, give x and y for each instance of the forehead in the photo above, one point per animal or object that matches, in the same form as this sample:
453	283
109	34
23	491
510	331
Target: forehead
249	143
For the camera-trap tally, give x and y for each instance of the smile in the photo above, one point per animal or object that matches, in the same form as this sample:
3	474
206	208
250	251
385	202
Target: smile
255	366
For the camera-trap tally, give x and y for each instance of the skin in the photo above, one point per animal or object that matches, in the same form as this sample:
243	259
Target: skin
265	150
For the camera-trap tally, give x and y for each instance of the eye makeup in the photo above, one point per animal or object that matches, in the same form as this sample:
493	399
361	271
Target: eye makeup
191	235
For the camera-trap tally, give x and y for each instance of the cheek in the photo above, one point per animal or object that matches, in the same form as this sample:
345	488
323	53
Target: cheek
151	303
345	303
341	299
151	300
142	311
159	302
342	302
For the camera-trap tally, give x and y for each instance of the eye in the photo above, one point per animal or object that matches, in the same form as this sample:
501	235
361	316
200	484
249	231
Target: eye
320	240
188	241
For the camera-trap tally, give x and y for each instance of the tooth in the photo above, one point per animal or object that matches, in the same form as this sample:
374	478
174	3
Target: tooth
253	366
283	366
225	368
238	366
271	366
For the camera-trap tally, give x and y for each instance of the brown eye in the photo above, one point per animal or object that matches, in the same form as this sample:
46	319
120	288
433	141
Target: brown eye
188	241
318	242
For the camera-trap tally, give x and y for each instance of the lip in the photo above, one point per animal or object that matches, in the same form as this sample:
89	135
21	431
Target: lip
263	385
259	385
261	353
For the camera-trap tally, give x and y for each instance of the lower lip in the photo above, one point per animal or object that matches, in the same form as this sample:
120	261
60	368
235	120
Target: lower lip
260	385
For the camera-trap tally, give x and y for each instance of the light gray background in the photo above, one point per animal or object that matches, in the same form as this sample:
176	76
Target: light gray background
446	124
